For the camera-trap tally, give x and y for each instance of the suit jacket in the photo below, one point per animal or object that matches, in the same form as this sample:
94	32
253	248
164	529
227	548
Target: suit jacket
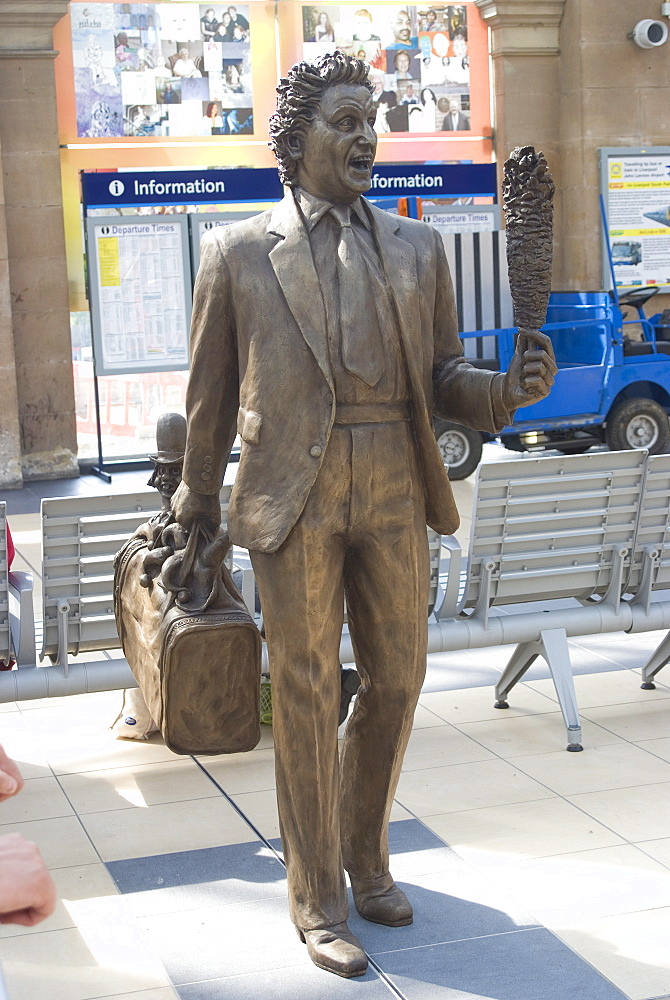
462	123
260	367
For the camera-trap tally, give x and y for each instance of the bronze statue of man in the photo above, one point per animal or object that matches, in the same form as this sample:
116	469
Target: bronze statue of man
324	332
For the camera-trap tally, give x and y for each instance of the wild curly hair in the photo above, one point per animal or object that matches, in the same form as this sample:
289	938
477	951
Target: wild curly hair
300	95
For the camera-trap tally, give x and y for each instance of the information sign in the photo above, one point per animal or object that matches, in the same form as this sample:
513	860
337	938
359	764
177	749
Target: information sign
636	189
464	219
125	189
140	293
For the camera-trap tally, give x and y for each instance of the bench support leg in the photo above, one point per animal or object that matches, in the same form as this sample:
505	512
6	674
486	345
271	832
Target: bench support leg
656	661
517	665
553	646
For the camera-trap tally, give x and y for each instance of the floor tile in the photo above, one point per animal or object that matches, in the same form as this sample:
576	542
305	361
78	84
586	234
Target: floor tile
20	745
466	786
243	772
527	965
81	882
659	747
580	886
525	829
237	873
615	765
261	809
648	721
415	850
475	705
465	669
631	950
425	719
96	749
441	744
617	687
517	737
161	829
637	813
222	941
76	964
659	850
97	705
41	798
163	993
63	841
288	984
139	786
448	906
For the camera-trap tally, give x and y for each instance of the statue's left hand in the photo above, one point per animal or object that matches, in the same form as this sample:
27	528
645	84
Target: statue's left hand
531	372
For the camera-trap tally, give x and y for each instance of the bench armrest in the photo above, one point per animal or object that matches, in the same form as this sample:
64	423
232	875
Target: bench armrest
449	606
22	618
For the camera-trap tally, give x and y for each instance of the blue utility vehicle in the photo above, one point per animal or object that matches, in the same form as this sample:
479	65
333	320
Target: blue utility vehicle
612	386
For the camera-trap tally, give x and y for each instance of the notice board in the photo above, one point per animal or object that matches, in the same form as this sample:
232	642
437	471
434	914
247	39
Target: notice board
140	293
635	184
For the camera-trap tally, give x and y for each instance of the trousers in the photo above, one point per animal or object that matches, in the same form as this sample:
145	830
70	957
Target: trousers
362	535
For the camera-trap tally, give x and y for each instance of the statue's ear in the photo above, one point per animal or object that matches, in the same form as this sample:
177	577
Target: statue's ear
294	146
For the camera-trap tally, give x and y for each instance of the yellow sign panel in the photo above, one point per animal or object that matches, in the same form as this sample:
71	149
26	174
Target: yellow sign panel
629	185
108	257
639	232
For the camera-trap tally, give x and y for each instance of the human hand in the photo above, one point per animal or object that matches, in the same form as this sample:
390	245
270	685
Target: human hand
531	372
27	891
11	781
190	508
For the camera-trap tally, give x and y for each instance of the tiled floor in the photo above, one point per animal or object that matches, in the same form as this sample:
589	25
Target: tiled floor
535	874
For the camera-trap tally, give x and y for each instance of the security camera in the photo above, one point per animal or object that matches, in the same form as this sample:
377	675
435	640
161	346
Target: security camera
649	34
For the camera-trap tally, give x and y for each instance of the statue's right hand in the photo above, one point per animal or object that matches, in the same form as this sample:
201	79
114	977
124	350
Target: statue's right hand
190	508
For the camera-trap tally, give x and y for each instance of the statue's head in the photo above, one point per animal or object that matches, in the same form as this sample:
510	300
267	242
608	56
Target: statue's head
169	458
323	129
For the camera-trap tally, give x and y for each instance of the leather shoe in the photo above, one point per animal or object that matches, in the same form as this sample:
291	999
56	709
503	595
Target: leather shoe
335	949
380	900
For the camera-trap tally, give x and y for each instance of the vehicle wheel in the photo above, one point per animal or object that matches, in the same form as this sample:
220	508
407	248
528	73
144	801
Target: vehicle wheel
638	423
460	447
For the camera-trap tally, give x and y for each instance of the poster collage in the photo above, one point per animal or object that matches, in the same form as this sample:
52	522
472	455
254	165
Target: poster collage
418	57
157	69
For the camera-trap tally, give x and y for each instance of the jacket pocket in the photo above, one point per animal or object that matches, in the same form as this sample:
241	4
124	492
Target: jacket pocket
249	425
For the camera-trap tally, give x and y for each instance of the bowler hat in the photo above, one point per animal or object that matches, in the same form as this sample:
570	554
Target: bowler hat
170	439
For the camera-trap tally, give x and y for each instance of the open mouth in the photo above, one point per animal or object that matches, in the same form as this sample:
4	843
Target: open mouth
361	162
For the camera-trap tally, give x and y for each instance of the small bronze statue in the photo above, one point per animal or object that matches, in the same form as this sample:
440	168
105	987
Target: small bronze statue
134	721
324	332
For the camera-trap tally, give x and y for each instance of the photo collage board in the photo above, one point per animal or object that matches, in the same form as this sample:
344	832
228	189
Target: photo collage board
162	69
418	58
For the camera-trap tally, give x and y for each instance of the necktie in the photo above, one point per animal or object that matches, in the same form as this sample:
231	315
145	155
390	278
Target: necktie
362	353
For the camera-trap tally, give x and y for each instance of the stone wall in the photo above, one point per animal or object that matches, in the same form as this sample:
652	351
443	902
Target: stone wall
35	256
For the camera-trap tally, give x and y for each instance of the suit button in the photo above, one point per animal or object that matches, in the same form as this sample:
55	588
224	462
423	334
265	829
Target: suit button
208	458
207	467
205	476
315	451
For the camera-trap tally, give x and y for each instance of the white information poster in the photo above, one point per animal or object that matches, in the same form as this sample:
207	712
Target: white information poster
140	285
637	201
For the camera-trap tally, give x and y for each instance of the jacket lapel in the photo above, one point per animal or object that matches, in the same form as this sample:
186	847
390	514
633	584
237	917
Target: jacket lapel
399	260
293	265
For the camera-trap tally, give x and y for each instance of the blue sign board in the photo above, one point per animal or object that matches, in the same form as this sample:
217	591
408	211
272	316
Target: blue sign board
128	189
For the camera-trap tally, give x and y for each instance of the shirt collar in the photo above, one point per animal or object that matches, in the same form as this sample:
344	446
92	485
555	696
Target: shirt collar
314	208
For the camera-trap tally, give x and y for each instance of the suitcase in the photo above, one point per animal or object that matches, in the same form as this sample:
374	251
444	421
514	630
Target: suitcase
196	655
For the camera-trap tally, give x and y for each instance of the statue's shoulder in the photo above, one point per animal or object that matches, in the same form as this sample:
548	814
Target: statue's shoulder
240	233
